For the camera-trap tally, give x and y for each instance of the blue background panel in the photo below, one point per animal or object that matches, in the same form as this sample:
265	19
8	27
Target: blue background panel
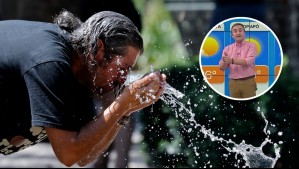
214	60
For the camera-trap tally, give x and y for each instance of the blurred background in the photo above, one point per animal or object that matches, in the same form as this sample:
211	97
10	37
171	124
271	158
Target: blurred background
173	31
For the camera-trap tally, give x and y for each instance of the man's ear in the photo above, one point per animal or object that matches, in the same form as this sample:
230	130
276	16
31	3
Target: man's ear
101	51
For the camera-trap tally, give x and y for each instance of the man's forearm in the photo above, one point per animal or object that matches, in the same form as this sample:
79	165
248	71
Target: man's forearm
71	147
237	61
100	147
106	141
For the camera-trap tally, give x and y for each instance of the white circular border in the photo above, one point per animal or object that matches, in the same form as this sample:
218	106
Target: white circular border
222	94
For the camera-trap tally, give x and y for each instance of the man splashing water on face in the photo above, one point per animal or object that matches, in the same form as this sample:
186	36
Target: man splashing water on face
49	74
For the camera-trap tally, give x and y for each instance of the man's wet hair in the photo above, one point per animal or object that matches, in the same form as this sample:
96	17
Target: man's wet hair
115	30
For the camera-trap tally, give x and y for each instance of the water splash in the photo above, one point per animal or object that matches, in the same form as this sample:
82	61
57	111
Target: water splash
253	156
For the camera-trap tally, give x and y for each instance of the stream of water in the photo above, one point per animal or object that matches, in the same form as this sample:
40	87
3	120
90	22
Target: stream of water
254	157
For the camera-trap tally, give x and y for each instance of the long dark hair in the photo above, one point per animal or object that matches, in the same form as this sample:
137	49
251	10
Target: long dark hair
115	30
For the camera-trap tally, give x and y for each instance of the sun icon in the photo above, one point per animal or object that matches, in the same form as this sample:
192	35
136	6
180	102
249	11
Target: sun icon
257	44
210	46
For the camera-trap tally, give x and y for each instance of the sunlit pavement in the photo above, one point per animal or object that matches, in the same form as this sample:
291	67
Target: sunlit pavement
42	156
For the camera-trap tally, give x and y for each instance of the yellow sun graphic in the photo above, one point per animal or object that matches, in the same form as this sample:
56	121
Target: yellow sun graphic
257	44
210	46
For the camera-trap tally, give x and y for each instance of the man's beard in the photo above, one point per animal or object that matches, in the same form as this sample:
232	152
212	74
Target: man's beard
92	69
107	88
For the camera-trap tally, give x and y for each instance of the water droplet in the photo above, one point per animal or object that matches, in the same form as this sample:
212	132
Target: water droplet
280	133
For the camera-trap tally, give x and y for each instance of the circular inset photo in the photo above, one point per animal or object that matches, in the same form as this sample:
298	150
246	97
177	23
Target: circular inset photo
241	58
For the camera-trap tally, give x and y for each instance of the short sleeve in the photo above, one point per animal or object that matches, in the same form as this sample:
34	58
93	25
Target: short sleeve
57	100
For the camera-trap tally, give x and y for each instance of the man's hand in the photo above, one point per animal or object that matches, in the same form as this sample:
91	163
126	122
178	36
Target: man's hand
226	59
144	92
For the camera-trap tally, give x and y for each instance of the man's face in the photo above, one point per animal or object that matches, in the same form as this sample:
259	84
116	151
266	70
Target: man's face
114	72
238	33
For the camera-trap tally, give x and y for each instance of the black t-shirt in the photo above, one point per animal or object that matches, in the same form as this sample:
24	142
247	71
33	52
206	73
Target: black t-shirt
37	86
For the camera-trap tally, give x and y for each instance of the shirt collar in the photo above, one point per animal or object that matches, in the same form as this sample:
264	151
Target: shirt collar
240	44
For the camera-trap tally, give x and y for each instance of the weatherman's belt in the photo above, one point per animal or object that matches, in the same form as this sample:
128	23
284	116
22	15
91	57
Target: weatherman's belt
245	78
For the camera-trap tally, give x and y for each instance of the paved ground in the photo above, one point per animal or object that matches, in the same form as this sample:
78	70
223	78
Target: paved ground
42	156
